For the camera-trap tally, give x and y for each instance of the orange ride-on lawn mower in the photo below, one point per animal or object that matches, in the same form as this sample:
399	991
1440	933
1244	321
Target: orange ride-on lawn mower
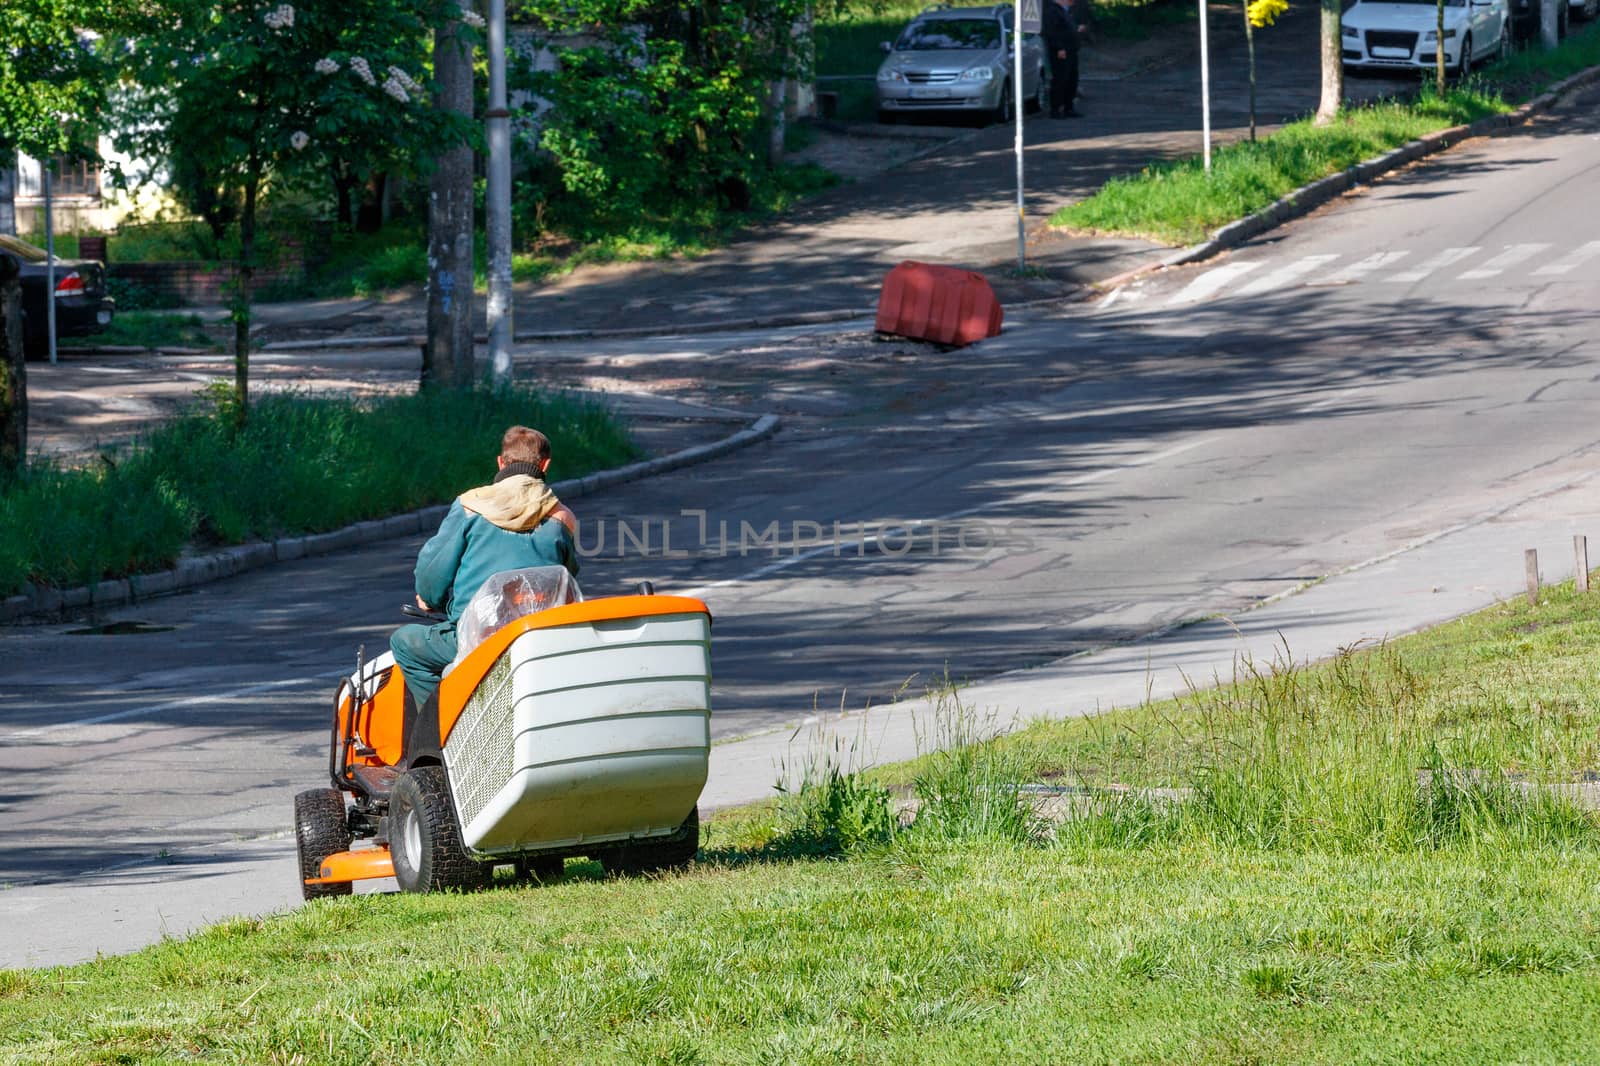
564	727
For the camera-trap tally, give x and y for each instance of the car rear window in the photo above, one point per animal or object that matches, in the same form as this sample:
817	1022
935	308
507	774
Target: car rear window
22	249
942	34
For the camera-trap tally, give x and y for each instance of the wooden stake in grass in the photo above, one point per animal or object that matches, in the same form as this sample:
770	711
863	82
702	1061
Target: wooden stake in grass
1530	560
1580	561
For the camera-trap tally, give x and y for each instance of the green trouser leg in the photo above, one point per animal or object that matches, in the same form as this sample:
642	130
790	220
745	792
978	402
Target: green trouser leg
422	653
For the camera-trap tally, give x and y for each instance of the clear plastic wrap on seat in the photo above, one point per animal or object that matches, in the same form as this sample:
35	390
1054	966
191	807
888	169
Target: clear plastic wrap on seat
508	595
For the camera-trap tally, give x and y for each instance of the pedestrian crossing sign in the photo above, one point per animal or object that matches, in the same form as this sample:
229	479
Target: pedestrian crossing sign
1032	18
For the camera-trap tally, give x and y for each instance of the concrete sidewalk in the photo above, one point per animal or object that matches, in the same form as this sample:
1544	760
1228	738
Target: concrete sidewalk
1439	577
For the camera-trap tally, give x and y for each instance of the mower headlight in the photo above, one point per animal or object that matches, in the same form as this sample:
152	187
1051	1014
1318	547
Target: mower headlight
978	74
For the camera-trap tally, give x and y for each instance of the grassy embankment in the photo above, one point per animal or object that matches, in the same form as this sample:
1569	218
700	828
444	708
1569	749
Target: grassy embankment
301	466
1177	202
848	42
1307	892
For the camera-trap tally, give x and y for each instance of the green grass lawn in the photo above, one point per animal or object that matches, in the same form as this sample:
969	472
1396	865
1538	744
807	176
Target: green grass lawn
146	330
302	465
1263	915
1178	202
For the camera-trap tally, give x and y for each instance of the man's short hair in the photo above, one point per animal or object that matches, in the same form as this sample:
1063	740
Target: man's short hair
524	445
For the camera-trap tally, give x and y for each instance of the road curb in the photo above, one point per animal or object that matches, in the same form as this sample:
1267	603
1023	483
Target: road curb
729	325
198	570
1308	198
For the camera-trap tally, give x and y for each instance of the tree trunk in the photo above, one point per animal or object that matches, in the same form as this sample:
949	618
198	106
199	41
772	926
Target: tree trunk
13	374
344	183
447	356
1332	63
241	299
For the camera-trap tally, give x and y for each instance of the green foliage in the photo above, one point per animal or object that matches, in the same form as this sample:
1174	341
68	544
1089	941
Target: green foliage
52	81
656	107
1180	202
300	466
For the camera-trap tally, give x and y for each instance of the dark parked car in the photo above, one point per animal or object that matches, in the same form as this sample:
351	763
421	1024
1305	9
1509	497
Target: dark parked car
82	306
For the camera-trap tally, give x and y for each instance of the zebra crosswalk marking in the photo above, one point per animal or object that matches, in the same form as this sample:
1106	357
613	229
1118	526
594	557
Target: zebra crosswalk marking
1362	267
1211	282
1286	274
1436	262
1514	254
1574	260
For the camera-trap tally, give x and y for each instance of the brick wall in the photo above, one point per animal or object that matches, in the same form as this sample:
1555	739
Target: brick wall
196	284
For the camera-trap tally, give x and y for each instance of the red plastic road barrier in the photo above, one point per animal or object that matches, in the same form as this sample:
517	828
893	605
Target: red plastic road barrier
938	303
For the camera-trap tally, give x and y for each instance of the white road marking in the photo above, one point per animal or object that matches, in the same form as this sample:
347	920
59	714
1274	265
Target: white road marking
1286	274
1212	282
1438	262
1514	254
1574	260
899	529
1361	268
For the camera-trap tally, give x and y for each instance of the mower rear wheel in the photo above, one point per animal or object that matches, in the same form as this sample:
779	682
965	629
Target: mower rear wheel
320	830
424	839
666	853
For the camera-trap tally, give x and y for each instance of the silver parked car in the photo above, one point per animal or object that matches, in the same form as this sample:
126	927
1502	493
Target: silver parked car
960	59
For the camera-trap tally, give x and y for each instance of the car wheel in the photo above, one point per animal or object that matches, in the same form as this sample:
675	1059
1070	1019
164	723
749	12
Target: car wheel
320	830
423	838
1005	110
1464	64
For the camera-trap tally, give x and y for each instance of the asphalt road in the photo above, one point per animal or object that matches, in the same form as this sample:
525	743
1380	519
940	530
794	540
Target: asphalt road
1187	446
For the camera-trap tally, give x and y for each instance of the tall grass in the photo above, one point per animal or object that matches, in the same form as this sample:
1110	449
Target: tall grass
301	465
1355	756
1180	202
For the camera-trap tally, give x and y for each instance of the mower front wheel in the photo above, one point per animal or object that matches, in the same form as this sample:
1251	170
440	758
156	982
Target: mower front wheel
424	840
320	830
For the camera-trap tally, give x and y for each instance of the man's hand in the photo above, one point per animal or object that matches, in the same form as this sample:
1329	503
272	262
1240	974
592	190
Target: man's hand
420	604
1061	53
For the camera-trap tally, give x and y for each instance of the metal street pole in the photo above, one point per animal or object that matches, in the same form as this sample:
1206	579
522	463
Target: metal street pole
1016	82
1205	85
49	260
498	206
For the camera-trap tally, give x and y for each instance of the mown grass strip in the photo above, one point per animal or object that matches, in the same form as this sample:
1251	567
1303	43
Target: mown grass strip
972	936
1177	202
302	465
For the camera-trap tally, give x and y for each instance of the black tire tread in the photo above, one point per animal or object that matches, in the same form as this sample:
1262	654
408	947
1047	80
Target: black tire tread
444	863
320	830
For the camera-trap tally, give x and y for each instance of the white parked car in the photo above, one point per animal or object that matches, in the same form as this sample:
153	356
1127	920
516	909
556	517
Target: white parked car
1403	34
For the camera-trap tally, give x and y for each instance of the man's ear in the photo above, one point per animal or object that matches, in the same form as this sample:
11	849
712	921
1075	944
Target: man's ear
499	462
544	464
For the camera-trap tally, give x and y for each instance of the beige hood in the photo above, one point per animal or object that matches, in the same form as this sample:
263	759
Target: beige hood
518	503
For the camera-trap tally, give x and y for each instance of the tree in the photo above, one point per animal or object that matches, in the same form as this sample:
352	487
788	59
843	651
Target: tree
663	115
1332	62
247	94
51	82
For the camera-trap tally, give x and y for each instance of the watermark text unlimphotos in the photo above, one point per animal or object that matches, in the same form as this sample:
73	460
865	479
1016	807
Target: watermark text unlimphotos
718	538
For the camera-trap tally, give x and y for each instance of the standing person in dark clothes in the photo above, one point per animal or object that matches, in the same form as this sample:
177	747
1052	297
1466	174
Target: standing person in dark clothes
1064	22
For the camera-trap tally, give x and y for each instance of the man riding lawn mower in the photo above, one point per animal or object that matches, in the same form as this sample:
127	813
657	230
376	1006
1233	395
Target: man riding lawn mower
559	726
